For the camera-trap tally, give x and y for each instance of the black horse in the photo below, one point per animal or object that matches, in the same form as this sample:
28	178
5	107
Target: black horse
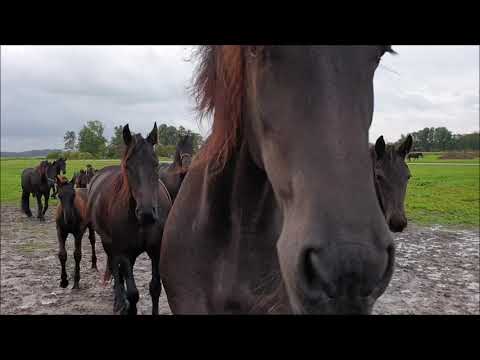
37	181
173	174
391	175
57	167
414	155
278	212
84	177
128	208
81	179
72	219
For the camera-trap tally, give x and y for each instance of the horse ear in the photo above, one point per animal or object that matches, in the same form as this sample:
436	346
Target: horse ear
380	147
405	147
127	135
153	136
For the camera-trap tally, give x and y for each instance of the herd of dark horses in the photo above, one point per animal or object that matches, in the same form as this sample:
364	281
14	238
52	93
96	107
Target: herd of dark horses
286	208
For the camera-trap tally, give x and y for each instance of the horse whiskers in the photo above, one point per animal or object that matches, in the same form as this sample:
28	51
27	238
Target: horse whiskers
268	301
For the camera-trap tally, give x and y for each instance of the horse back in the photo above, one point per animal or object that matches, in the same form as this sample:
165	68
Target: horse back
30	180
99	192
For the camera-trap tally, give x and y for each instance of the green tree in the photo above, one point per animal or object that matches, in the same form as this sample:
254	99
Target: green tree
442	139
116	146
69	140
91	139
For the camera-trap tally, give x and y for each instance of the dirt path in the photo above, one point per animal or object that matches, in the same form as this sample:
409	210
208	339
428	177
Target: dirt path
437	272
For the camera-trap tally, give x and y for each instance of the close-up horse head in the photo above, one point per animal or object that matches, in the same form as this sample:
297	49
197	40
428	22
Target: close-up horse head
304	112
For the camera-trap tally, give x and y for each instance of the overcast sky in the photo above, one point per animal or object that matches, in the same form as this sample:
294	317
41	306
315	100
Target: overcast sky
47	90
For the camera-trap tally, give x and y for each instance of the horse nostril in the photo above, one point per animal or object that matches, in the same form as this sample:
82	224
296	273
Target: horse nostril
397	224
315	274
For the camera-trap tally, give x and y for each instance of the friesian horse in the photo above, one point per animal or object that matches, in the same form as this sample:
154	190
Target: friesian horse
72	219
173	174
278	212
128	207
37	181
391	175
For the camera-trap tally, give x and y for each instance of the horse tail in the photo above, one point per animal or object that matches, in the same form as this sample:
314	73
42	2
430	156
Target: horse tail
26	203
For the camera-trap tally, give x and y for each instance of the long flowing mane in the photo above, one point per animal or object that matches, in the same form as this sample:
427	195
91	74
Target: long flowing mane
119	183
218	89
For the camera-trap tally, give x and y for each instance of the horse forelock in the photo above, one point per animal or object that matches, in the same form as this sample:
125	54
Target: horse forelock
218	89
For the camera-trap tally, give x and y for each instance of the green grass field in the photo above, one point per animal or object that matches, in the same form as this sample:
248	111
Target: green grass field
444	194
11	170
437	194
434	157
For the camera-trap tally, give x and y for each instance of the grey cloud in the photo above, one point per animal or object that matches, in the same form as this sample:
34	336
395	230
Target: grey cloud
46	90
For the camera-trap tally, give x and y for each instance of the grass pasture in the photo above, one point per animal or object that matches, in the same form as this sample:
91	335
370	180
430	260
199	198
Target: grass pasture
434	157
11	170
444	193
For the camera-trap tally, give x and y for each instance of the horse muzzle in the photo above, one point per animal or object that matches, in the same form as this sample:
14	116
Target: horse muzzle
147	215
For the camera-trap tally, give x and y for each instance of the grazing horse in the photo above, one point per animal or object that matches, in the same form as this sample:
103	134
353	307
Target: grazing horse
72	219
58	167
414	155
277	213
173	174
128	208
390	175
37	181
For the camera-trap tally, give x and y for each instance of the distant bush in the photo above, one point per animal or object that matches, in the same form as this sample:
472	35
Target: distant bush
165	150
459	155
54	155
77	155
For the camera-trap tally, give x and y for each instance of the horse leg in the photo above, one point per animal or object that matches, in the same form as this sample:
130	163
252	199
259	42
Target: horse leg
91	236
62	256
155	283
26	203
121	304
39	205
132	291
108	271
77	254
46	204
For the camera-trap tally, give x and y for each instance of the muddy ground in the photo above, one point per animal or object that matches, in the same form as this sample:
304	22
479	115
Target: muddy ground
437	272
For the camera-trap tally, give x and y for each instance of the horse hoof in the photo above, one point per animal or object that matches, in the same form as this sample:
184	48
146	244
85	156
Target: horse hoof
75	287
122	309
64	283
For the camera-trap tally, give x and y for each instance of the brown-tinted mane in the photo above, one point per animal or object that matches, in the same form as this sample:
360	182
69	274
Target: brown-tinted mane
119	183
42	168
218	88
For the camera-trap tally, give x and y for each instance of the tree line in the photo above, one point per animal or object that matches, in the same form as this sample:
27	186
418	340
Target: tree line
442	139
90	143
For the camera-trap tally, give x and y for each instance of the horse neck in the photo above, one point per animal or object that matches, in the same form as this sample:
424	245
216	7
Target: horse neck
254	227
